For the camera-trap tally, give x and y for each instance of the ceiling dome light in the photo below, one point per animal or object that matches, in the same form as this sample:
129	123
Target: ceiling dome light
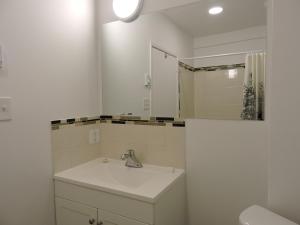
127	10
215	10
232	74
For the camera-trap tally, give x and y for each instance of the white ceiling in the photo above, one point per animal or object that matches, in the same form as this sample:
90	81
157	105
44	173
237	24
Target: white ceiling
237	14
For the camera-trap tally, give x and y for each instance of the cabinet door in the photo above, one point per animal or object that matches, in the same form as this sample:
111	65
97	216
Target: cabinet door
106	218
73	213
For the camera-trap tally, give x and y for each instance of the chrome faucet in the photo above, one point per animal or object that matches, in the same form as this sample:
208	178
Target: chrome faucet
132	161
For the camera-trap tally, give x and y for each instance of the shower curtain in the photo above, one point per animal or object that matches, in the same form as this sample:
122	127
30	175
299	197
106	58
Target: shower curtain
253	91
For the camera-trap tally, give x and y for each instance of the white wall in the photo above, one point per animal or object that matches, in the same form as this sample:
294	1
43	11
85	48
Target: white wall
226	169
126	58
284	177
249	39
50	72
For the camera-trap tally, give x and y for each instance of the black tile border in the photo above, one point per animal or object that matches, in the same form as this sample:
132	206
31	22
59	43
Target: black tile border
71	121
211	68
106	117
179	124
164	118
133	120
118	122
55	122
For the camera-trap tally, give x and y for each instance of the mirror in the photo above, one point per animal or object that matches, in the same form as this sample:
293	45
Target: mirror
184	62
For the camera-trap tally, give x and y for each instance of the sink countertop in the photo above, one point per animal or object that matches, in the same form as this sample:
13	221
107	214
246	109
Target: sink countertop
110	175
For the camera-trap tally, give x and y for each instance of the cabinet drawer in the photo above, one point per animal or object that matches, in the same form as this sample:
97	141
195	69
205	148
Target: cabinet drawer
130	208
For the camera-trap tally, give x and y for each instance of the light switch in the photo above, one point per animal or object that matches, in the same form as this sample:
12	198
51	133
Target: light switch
146	104
5	108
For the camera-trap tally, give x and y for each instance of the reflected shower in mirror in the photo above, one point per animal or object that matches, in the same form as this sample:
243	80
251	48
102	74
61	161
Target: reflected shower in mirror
184	62
229	92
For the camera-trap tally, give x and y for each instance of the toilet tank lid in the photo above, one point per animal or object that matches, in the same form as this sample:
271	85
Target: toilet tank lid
256	215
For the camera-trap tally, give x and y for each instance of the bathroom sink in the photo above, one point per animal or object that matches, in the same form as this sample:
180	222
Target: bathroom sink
128	177
110	175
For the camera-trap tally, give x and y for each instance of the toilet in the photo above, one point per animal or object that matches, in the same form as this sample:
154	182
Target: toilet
256	215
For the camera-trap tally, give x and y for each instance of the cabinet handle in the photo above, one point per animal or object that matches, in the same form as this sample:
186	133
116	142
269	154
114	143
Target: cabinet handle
91	221
100	223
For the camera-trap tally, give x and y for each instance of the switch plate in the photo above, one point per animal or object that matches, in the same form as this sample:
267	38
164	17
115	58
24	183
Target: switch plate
5	109
146	104
1	57
94	136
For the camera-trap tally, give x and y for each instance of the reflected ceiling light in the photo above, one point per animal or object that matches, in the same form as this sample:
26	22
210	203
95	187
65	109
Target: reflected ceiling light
215	10
127	10
232	74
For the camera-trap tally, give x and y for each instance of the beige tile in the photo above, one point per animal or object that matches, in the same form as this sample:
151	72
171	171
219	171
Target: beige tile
158	145
61	160
153	144
70	146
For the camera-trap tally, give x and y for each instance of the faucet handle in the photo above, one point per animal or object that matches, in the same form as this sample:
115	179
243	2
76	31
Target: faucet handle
124	156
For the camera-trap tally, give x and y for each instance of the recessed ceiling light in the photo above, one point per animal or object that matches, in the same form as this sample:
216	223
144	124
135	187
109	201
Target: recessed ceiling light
127	10
215	10
232	73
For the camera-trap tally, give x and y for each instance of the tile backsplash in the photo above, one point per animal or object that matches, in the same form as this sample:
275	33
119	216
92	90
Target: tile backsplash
155	142
70	146
158	145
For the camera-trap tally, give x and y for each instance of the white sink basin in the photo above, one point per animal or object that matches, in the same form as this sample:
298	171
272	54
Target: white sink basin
145	184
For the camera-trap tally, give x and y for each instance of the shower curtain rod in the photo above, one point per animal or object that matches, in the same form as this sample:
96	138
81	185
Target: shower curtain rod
227	54
163	51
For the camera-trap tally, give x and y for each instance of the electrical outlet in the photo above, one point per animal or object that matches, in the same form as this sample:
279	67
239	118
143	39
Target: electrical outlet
94	136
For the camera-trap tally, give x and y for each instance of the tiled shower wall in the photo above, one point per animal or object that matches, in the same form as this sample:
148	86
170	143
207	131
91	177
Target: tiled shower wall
217	95
158	145
212	92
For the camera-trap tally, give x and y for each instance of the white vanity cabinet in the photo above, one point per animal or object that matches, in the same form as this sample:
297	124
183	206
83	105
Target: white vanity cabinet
85	196
76	205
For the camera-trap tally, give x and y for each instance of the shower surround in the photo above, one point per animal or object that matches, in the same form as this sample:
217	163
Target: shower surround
211	92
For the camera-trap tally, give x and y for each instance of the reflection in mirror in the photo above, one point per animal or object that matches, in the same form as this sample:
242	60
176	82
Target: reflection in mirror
184	62
230	92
